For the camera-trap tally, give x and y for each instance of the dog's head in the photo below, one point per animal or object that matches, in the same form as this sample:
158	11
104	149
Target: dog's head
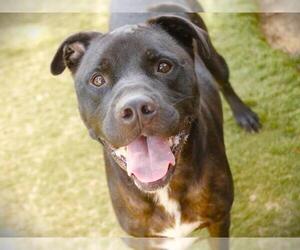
137	91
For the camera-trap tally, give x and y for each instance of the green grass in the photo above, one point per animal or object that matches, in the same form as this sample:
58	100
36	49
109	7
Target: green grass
265	166
52	179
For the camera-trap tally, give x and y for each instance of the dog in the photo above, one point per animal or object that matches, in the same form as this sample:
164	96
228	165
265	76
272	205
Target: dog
148	90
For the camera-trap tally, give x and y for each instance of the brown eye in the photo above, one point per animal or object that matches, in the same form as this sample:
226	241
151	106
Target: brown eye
164	67
97	80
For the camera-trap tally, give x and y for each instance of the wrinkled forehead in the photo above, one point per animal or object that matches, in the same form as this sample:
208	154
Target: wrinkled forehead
134	40
129	47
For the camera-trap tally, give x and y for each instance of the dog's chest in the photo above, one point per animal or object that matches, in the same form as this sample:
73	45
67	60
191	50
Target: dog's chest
173	209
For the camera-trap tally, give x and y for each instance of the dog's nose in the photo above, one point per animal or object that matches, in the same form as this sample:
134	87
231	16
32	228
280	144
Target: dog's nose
141	109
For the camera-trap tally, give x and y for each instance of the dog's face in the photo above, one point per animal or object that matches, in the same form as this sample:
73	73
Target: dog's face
137	91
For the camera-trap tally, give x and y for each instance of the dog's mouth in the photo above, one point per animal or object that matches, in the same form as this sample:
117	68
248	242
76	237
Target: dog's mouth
150	160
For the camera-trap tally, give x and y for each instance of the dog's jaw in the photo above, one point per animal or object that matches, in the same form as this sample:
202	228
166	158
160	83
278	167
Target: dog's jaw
176	144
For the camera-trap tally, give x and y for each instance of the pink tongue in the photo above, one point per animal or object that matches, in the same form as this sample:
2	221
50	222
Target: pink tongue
148	158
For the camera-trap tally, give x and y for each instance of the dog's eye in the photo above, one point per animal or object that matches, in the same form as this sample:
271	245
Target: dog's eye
97	80
164	67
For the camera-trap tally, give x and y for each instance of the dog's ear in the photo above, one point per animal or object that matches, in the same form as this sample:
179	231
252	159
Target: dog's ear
70	52
195	40
185	32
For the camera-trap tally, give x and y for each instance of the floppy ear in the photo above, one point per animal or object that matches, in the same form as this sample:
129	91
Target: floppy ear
184	31
194	39
70	52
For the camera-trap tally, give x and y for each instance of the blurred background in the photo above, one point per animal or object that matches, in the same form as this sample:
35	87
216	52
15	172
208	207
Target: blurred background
52	179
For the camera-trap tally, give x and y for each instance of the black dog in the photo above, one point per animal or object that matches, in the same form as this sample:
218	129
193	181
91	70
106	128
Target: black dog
147	92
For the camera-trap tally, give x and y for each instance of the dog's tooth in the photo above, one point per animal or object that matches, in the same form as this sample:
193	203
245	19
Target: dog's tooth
186	137
121	151
176	140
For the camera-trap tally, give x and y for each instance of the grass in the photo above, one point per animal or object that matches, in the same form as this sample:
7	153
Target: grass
265	166
52	179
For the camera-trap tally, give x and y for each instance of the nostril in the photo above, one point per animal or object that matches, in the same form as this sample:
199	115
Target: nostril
147	109
136	109
127	113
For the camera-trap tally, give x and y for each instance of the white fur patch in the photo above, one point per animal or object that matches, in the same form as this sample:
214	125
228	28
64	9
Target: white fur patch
176	243
126	29
173	208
